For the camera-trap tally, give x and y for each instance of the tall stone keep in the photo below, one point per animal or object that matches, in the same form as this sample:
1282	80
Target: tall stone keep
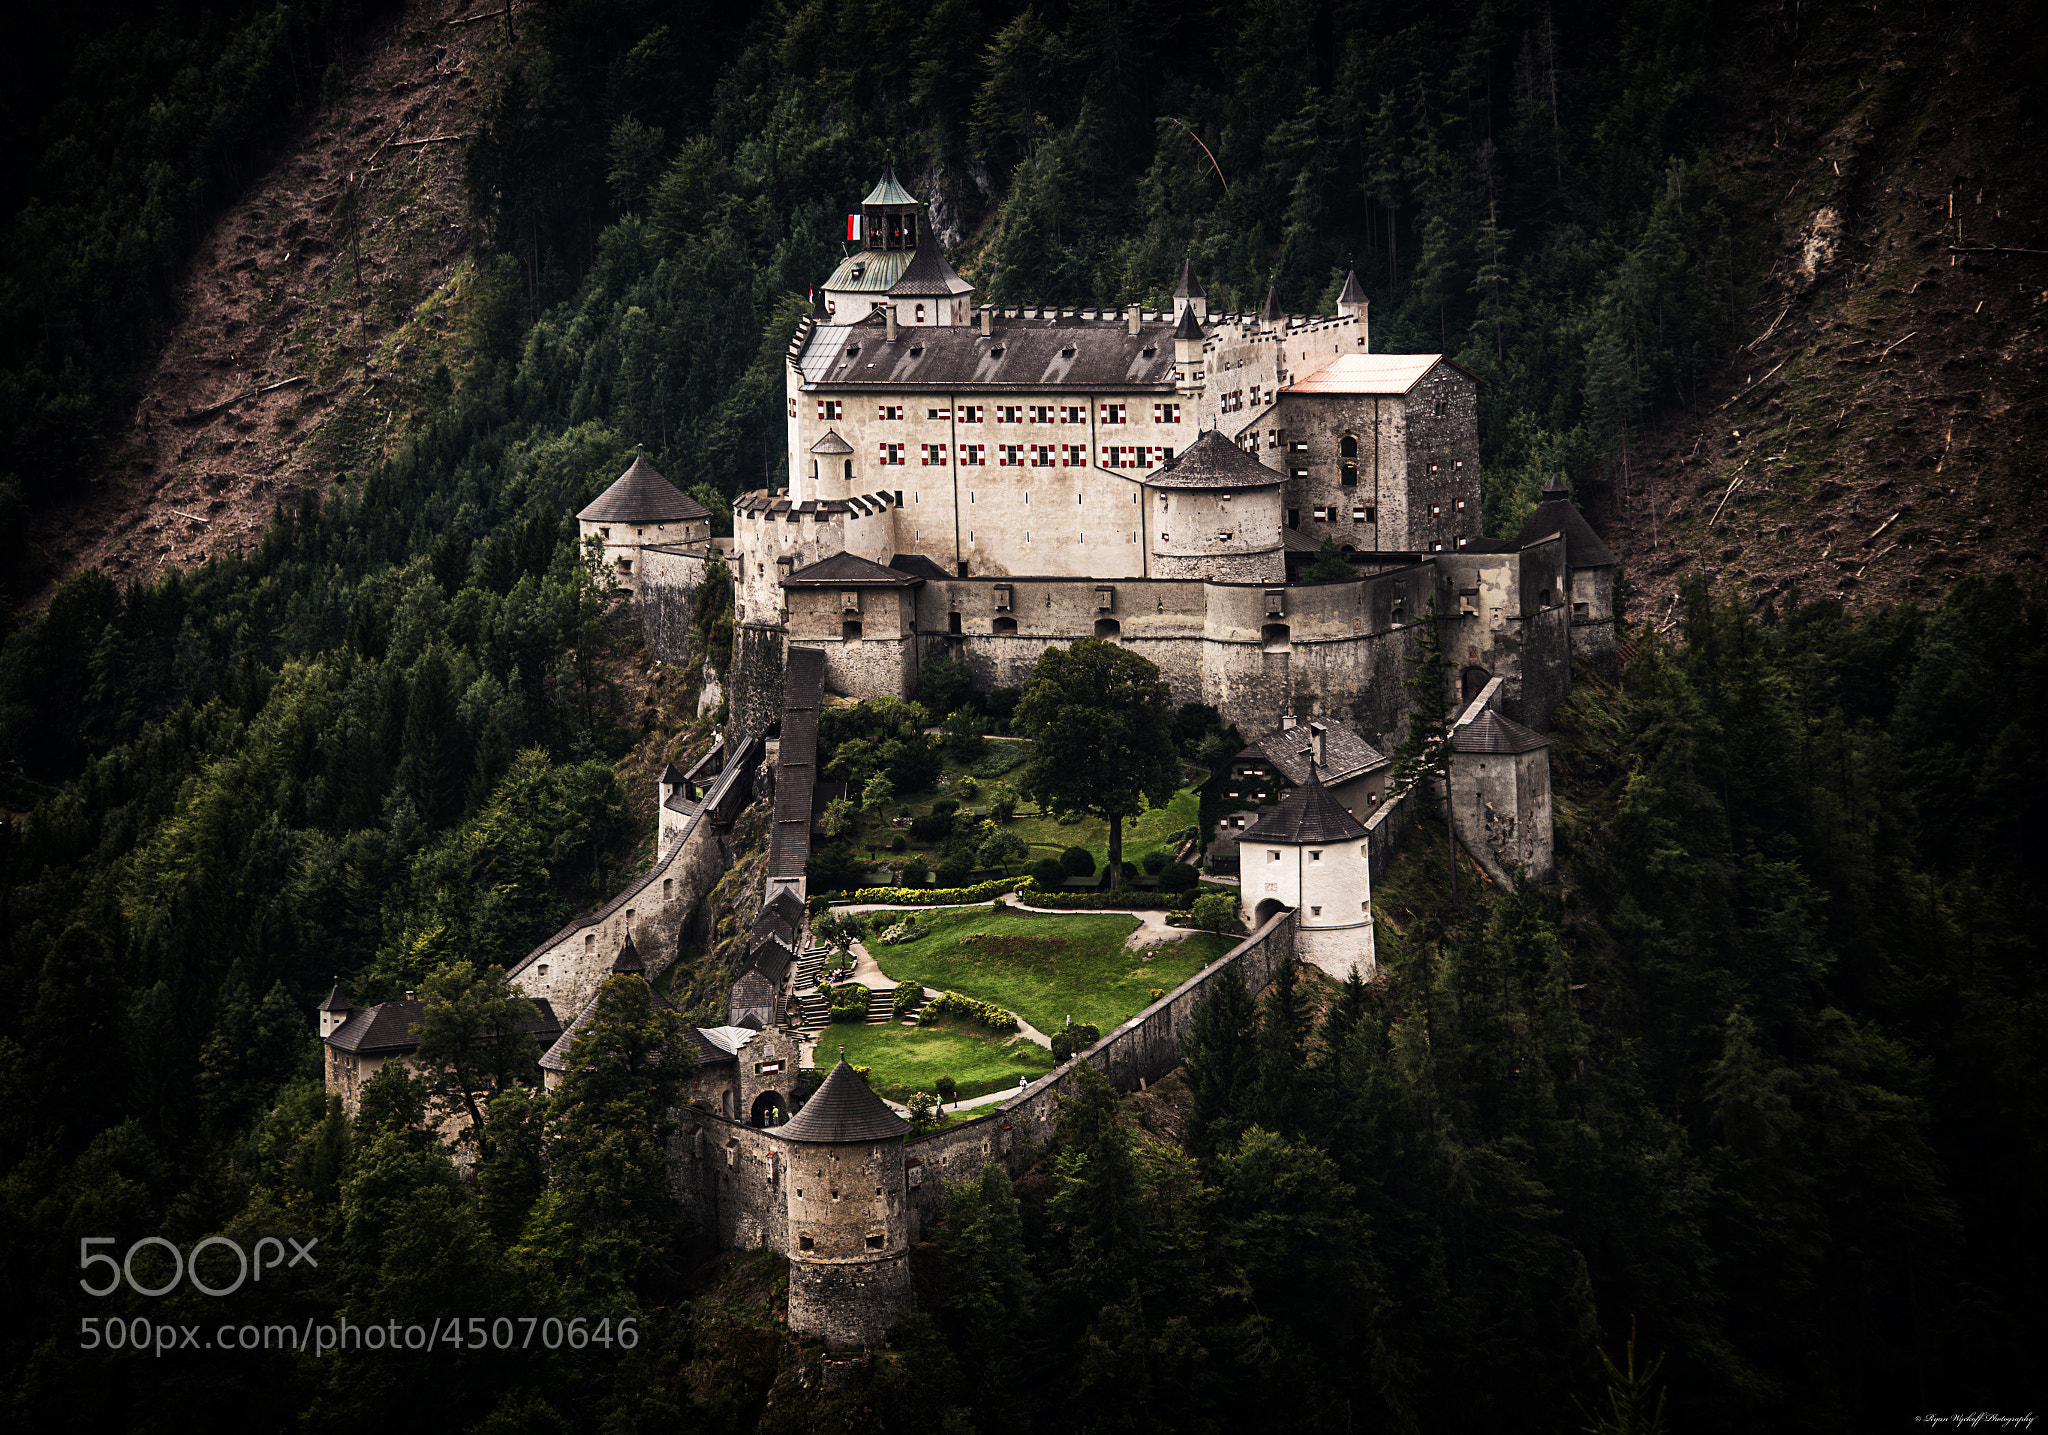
849	1219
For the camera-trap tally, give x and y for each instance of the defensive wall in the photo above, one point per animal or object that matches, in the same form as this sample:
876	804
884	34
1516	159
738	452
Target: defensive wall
1255	651
568	967
738	1178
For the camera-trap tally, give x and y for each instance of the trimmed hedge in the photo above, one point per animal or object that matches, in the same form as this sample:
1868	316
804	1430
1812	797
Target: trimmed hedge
1032	895
938	896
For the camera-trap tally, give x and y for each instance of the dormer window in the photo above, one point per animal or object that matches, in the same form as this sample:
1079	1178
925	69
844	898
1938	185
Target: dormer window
852	350
916	349
1068	352
996	352
1148	351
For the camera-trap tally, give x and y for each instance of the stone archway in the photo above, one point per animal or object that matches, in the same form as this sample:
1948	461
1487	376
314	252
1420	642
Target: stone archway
1263	913
1473	682
769	1110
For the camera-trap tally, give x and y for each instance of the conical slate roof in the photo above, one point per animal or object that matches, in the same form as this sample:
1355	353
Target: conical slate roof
1189	327
843	1110
1492	734
929	275
888	191
642	495
1558	514
1212	461
1306	815
629	960
832	443
1271	314
1190	287
1354	292
336	1001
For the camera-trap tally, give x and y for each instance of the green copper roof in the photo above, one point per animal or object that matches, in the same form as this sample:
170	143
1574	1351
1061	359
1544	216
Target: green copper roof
888	191
879	270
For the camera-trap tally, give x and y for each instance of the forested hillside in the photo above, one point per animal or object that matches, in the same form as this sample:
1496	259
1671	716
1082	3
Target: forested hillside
1760	1076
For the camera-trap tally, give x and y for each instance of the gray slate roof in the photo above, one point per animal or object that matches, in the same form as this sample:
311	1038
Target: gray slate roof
1306	815
387	1027
336	1001
929	275
1021	356
917	566
832	443
1490	733
1189	287
1189	326
642	495
1270	313
843	1110
1354	292
849	570
1212	461
1345	754
1558	514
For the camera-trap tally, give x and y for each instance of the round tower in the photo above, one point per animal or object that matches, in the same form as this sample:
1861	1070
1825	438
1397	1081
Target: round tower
1308	853
849	1220
1213	511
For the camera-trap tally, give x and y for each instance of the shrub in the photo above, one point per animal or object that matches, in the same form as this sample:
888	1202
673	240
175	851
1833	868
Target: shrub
916	870
1068	819
1153	861
1214	911
968	1008
948	1088
1078	1038
909	997
849	1001
836	869
965	788
1078	862
898	843
1178	877
1004	807
1047	873
922	1108
954	869
906	930
945	807
932	826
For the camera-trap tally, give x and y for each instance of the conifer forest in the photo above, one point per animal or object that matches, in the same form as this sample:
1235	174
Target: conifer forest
1739	1124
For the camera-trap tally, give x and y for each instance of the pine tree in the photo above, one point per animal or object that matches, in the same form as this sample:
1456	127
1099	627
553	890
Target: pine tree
1220	1062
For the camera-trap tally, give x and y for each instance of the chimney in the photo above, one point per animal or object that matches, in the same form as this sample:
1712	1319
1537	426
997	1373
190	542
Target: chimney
1287	722
1315	741
891	312
408	996
1133	318
987	322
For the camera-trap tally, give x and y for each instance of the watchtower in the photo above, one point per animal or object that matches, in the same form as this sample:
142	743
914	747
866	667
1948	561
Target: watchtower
1308	853
849	1222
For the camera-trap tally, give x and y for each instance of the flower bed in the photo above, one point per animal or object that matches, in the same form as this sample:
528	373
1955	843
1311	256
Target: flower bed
980	1012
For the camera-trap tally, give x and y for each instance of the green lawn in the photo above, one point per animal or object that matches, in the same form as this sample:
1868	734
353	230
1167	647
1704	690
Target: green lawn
907	1059
1045	968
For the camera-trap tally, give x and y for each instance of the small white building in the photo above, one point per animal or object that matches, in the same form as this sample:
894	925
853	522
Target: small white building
642	510
1308	853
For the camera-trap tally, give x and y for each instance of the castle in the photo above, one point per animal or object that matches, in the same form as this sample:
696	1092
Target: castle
984	484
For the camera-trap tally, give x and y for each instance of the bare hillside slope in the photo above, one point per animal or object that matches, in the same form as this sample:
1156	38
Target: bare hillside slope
313	309
1882	431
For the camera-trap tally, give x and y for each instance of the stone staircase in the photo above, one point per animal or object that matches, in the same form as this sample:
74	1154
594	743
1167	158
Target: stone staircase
813	1010
879	1000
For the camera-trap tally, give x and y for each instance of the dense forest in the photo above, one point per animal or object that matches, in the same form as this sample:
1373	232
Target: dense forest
1758	1081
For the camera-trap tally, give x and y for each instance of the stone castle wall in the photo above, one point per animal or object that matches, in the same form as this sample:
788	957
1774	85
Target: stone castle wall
1143	1049
569	967
667	595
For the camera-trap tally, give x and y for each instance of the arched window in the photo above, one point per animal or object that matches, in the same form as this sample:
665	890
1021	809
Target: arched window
1109	630
920	313
1347	447
1276	638
849	470
1006	627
